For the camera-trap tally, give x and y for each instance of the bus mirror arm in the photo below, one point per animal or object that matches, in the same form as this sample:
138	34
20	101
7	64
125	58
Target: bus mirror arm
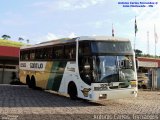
137	65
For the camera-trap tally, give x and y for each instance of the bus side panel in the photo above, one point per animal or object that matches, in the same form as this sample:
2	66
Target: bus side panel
41	76
22	76
56	75
69	75
72	75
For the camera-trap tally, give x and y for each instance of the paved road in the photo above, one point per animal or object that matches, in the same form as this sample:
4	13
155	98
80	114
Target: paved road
20	102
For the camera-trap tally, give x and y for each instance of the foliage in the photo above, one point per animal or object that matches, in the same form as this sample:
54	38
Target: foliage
20	39
27	41
10	43
5	37
139	53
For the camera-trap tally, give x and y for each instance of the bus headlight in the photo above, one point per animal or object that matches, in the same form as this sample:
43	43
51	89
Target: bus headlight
103	96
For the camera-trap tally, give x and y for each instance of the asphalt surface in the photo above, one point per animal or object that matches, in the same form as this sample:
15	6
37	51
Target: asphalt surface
22	103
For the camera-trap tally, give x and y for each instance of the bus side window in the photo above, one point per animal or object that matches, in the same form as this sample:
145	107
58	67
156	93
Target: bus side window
58	52
70	51
22	55
84	48
32	55
47	53
27	56
39	54
44	55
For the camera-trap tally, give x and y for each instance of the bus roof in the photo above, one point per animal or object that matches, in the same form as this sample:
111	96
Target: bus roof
102	38
81	38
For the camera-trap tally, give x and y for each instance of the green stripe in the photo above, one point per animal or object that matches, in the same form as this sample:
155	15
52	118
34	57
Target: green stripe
56	75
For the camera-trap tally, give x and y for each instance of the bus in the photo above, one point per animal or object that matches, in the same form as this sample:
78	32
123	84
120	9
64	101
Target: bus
88	67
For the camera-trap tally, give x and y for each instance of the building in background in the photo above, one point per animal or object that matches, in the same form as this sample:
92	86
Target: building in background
9	61
151	68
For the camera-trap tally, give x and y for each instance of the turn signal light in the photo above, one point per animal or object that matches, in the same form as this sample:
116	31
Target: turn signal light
133	83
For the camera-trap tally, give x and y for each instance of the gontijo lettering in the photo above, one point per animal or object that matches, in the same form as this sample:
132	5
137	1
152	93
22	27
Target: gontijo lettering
36	65
23	64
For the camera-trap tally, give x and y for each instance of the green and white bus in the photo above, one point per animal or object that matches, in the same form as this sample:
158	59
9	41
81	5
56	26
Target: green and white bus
88	67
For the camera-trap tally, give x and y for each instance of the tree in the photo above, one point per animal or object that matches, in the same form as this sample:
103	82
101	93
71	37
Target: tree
138	52
27	41
5	37
20	39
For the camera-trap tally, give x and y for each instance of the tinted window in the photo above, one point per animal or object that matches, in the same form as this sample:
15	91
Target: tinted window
32	55
39	54
111	47
47	53
58	52
24	55
84	48
70	51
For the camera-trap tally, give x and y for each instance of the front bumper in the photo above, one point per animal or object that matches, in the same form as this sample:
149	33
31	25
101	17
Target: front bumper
113	94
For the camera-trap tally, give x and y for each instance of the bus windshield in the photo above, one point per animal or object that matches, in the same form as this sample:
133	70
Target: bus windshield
113	68
106	62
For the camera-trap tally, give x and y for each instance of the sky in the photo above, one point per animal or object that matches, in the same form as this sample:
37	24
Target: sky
43	20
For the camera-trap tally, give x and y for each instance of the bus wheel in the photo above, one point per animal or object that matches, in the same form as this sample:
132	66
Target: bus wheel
33	82
144	86
72	91
28	81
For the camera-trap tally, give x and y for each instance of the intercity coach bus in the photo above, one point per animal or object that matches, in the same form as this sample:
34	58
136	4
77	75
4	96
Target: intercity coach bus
93	68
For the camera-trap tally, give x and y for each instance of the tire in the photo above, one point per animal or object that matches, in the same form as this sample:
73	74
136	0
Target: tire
28	81
72	91
33	82
144	86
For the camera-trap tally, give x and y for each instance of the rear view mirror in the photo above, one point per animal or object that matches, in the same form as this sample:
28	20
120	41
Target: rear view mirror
126	64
